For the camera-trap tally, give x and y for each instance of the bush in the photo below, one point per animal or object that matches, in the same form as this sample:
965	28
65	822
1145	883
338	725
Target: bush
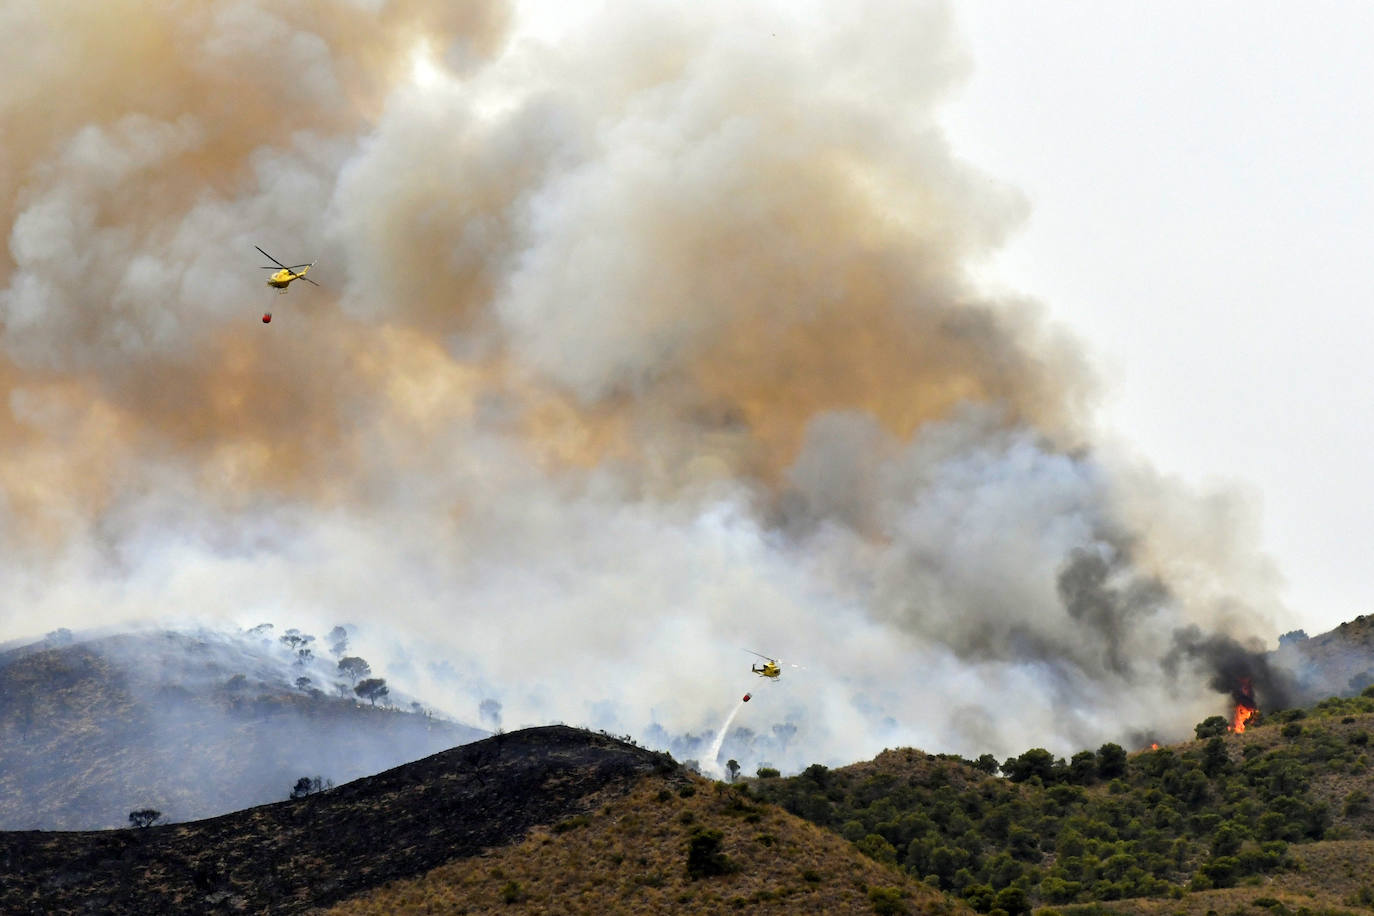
1013	901
986	763
1221	871
1215	759
1111	761
144	817
878	849
704	855
1035	762
1211	727
980	897
1228	839
307	785
886	901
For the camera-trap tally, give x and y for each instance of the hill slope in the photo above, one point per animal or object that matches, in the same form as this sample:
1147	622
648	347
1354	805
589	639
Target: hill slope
192	724
1223	811
652	852
1339	662
290	856
554	818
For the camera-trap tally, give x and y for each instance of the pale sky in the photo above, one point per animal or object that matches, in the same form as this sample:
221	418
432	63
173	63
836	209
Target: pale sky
1201	214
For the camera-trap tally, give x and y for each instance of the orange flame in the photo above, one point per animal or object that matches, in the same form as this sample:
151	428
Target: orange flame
1246	707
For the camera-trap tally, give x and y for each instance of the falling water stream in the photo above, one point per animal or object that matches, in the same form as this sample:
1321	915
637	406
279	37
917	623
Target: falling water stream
720	739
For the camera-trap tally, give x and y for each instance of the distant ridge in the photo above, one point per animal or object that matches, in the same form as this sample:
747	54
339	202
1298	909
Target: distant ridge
1339	662
193	724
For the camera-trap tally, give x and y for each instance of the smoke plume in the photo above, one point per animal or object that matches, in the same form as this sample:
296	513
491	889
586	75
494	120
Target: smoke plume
640	340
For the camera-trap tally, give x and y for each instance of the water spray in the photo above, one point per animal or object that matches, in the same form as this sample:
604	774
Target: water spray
720	738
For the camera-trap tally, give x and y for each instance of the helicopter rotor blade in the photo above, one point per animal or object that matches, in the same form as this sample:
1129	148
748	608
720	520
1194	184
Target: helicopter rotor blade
762	656
272	259
308	280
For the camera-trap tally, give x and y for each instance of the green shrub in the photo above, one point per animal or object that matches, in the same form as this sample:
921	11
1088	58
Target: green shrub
1221	871
1211	727
887	901
879	849
980	897
1111	761
1013	901
704	855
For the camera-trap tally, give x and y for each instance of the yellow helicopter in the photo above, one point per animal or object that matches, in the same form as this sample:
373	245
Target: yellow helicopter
283	277
771	667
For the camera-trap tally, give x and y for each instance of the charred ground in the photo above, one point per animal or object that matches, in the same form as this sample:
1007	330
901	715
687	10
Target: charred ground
291	856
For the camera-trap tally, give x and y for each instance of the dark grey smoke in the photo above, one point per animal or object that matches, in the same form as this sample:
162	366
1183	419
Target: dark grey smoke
1230	665
1110	599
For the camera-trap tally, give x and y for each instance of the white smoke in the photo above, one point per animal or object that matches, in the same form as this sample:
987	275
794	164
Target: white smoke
633	349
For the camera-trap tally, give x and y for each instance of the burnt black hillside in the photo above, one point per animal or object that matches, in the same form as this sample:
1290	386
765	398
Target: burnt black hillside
191	724
290	856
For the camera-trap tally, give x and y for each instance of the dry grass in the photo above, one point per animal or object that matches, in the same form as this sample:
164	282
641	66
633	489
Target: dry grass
1327	878
629	856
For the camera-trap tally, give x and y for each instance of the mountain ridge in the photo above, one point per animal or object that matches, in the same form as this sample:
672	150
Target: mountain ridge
192	724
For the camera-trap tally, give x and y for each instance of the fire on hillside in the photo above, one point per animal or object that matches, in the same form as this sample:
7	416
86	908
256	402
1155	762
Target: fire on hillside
1246	707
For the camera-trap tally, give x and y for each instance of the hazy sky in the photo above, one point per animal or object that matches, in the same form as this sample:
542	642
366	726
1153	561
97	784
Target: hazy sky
1202	214
961	359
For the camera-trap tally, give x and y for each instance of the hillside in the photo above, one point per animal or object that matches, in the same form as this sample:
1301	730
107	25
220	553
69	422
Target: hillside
1178	824
289	856
1339	662
191	724
616	824
635	855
